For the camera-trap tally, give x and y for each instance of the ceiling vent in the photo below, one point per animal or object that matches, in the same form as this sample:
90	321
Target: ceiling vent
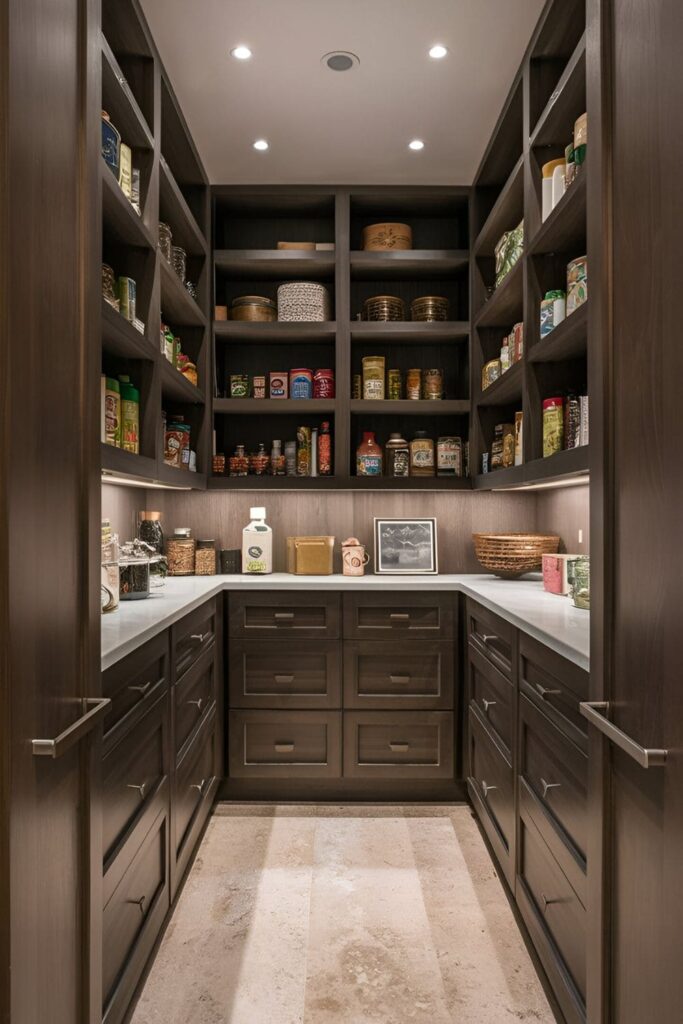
340	60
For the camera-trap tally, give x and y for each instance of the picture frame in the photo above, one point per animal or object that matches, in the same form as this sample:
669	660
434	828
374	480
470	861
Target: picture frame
405	547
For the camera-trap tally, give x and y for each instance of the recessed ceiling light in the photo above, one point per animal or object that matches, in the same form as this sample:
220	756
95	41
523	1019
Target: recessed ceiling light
261	145
340	60
241	52
438	51
416	144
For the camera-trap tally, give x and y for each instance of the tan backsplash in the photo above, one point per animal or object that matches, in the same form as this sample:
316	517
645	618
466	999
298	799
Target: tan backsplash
565	511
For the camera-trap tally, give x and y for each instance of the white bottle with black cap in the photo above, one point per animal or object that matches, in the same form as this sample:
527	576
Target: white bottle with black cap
257	544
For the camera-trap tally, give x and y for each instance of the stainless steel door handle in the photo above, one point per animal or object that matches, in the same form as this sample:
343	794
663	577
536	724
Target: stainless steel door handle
486	638
197	637
283	616
486	789
549	785
596	712
284	679
399	616
399	679
543	692
141	788
198	704
81	727
142	689
198	785
284	748
486	704
399	748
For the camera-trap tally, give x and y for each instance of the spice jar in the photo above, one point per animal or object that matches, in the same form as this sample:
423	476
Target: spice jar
421	454
432	387
553	426
413	384
205	558
180	552
165	241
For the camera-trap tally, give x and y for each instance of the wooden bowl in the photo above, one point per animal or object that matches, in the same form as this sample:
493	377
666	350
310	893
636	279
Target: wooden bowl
387	237
510	555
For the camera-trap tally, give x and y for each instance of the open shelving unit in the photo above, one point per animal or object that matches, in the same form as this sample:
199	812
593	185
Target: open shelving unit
248	224
535	125
174	189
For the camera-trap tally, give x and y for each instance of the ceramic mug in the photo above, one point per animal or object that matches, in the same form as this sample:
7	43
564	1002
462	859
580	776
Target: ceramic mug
354	560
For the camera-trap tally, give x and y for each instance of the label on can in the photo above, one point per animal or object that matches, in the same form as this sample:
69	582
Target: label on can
369	465
278	385
300	384
449	456
323	384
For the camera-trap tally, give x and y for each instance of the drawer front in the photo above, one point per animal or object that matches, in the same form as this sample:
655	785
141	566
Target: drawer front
420	616
300	615
193	778
398	744
192	636
491	636
556	685
194	696
285	674
557	908
132	771
285	744
493	695
403	674
136	679
556	771
132	919
491	778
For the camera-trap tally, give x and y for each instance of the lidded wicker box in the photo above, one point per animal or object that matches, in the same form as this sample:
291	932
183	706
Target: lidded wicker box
303	301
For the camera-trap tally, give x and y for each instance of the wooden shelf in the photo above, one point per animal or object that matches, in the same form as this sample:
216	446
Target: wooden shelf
279	333
408	264
506	390
274	406
410	333
174	385
177	305
506	213
120	338
505	307
574	462
173	209
410	407
120	462
564	230
120	103
513	476
411	483
119	218
274	264
338	483
568	340
180	477
567	102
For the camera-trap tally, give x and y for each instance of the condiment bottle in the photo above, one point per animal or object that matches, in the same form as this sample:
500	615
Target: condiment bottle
257	544
368	456
277	459
397	456
421	454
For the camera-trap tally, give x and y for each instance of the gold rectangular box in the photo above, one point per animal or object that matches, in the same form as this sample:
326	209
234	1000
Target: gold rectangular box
310	556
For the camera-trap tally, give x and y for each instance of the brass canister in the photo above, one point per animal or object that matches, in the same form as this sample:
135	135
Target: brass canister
394	384
373	377
432	384
414	384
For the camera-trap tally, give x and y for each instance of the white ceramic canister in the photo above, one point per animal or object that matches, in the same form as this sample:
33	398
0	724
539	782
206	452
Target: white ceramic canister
354	557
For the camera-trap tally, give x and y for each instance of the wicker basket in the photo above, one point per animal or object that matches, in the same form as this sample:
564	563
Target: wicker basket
510	555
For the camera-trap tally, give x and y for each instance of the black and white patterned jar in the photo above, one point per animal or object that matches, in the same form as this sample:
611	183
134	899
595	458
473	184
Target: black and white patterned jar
300	301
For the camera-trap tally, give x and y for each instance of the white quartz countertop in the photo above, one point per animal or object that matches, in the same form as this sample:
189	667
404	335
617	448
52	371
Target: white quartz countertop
551	619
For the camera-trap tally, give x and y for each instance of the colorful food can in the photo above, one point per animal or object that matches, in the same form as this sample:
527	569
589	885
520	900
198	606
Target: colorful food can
303	451
259	387
449	456
239	385
432	384
301	383
356	386
127	291
577	283
491	371
553	426
373	377
278	384
394	384
414	384
323	384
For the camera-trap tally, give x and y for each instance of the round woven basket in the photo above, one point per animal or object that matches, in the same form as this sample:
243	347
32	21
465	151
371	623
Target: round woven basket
510	555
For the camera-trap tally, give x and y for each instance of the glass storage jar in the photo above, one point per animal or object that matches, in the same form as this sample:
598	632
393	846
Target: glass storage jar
180	552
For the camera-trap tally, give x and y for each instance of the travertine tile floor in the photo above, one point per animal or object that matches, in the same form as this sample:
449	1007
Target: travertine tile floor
342	915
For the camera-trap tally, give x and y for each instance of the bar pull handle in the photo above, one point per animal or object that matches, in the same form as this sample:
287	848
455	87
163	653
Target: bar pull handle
399	747
487	638
142	689
139	903
543	692
549	785
96	706
198	637
596	712
399	616
486	704
198	785
141	788
284	748
283	616
548	902
399	679
284	679
486	789
199	703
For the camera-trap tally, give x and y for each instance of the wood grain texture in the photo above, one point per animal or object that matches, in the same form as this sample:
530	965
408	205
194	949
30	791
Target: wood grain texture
565	512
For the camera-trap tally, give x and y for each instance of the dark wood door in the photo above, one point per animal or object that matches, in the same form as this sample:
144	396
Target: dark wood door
636	649
49	481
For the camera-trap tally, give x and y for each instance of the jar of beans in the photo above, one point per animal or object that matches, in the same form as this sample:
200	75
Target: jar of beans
180	552
205	558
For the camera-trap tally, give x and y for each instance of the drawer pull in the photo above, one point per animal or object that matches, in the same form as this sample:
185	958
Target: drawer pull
399	679
199	786
487	638
486	789
283	617
399	748
543	692
547	903
549	785
284	748
486	704
198	638
139	903
284	679
142	689
647	757
399	616
141	788
199	704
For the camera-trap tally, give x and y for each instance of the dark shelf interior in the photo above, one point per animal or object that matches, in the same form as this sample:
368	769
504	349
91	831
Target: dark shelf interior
505	306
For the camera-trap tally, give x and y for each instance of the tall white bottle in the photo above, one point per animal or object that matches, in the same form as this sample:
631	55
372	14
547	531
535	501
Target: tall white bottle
257	544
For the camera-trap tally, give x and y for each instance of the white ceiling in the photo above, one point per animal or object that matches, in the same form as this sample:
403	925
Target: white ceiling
329	127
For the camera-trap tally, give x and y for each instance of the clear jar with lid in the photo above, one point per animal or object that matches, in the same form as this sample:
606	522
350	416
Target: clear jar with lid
165	241
205	558
180	552
149	530
579	579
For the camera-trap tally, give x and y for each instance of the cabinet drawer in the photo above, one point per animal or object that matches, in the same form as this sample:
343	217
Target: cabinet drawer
139	677
285	674
491	636
193	778
304	615
493	695
556	685
419	616
194	696
398	744
555	917
491	785
400	674
556	772
132	919
285	744
192	636
132	771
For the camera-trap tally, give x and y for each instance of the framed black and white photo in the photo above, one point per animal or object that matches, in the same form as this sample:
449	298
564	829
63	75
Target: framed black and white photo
404	546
